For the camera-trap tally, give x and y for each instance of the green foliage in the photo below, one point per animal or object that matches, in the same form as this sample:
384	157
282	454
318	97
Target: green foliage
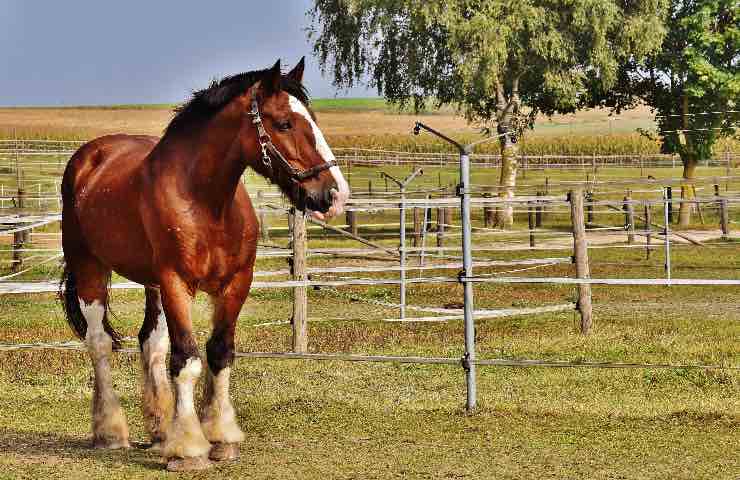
697	70
488	58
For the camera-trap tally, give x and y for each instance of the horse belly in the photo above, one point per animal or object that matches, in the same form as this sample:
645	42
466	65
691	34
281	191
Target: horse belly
114	233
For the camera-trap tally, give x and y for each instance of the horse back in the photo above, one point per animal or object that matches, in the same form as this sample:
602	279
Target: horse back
100	156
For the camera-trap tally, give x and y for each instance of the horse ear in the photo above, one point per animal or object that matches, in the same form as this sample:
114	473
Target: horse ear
297	72
273	79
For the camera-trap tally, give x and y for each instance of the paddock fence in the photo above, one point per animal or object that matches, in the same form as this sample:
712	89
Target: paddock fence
629	211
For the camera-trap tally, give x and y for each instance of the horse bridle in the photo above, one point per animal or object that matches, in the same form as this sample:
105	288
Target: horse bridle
269	148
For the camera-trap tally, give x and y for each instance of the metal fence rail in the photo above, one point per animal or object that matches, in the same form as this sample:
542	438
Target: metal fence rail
374	157
399	359
467	198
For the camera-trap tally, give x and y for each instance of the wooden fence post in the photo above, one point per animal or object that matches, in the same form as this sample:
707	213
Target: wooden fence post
20	239
440	226
538	214
589	208
648	228
264	228
546	192
300	294
530	215
17	264
724	218
352	222
489	213
580	250
629	219
669	196
417	226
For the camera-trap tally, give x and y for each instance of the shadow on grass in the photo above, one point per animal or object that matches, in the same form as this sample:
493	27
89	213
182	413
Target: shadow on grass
43	447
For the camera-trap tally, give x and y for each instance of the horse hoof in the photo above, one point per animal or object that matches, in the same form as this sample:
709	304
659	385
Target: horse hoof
110	444
189	464
224	451
154	447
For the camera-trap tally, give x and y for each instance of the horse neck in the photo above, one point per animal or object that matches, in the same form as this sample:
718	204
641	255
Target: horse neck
210	158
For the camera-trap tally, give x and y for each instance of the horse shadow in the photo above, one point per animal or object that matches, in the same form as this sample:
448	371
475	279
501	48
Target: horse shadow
45	446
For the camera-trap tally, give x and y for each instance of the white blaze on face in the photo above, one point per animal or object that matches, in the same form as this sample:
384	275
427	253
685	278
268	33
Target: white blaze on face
341	193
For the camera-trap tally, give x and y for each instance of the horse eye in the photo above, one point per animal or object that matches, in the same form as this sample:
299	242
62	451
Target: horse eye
284	126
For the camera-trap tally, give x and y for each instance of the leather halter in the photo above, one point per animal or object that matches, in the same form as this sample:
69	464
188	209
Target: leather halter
269	148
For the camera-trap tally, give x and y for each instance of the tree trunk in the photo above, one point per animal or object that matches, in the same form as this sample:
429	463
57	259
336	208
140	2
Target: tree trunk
505	213
687	191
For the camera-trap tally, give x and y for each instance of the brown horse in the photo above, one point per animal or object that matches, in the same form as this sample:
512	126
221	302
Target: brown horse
173	215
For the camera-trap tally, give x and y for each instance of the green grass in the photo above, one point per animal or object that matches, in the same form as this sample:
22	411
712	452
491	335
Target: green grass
333	420
317	420
349	104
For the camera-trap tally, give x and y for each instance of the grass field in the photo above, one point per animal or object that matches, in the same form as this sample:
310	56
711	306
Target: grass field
332	420
319	420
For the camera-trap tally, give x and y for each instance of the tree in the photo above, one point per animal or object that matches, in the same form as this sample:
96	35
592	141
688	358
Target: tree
501	62
694	75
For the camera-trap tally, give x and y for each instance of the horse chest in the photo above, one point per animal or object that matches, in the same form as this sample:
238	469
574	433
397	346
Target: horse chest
212	256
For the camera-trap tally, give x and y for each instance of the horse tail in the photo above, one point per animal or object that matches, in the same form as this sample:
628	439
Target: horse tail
73	312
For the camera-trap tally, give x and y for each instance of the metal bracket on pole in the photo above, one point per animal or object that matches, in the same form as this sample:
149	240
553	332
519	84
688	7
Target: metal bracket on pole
466	363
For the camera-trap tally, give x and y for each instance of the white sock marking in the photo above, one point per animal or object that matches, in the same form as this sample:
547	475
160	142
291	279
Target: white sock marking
99	343
185	381
155	347
93	313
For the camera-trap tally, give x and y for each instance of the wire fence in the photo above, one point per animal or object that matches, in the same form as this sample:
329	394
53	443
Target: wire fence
441	256
357	156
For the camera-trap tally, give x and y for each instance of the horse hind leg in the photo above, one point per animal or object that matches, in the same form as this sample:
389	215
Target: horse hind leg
110	429
154	341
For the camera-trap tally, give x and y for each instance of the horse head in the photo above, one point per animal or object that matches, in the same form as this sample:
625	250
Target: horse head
283	142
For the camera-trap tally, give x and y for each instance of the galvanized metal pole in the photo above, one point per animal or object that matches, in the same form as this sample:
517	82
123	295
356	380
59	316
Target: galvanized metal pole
469	360
463	191
402	228
666	219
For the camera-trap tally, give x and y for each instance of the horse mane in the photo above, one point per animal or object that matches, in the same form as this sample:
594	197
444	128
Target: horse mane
204	104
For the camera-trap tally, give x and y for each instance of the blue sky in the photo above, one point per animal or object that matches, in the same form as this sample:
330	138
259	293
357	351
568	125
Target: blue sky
91	52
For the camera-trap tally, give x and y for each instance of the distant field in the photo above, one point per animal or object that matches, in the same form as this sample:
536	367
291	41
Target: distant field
356	122
369	116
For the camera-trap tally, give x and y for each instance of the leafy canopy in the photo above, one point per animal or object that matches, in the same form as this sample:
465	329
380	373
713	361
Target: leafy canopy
488	57
694	75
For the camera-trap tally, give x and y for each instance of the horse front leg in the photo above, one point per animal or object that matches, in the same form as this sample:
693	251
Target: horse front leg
185	447
218	417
